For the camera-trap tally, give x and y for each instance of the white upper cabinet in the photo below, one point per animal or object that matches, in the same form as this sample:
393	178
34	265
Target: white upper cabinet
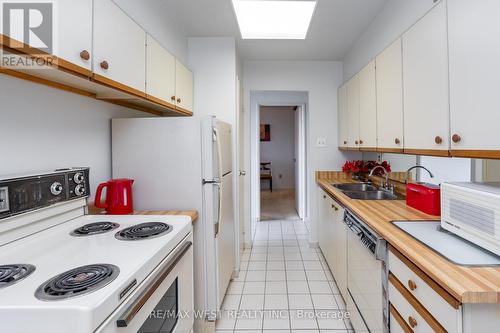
342	117
183	86
353	111
119	46
390	97
75	32
160	72
474	53
425	83
368	107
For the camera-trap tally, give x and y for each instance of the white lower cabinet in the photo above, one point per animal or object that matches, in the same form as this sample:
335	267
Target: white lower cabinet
333	238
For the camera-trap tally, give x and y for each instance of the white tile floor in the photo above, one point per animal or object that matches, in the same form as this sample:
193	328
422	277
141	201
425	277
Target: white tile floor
284	286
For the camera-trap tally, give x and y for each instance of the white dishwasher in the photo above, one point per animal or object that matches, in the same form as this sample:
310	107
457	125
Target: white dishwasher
366	277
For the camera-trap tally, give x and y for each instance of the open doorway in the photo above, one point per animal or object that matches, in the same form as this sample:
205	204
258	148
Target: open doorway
281	162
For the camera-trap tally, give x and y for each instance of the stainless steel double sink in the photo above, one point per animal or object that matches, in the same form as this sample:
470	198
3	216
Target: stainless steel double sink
365	191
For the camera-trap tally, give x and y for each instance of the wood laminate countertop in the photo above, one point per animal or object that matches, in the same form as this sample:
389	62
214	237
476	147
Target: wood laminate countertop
466	284
193	214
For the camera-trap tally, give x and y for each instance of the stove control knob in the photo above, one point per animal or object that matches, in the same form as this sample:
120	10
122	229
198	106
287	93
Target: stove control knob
78	177
56	188
79	190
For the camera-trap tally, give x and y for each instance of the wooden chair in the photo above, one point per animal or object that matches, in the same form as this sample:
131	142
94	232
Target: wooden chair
266	173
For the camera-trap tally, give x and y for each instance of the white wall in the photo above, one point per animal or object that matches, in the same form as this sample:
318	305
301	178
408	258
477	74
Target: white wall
320	80
280	151
396	17
43	129
161	23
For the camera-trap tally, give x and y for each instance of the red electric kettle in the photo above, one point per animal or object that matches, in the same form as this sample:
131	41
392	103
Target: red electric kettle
118	197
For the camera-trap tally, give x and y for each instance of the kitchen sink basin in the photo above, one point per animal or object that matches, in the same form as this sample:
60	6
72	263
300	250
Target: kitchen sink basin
356	187
371	195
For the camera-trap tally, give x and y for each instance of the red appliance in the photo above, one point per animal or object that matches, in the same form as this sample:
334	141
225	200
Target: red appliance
118	197
425	197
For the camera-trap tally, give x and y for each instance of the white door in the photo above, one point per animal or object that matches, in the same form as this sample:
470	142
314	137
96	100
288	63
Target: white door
183	86
353	111
160	72
389	71
119	46
242	174
75	32
474	28
300	165
368	107
425	83
343	124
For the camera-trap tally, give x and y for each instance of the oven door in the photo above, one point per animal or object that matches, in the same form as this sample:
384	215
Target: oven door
163	303
364	282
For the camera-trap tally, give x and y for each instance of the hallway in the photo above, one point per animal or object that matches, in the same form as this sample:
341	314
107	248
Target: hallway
278	205
284	286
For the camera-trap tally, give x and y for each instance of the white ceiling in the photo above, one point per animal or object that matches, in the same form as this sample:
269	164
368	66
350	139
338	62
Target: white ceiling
335	26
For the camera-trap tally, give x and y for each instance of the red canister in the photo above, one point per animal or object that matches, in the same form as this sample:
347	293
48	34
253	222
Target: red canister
425	197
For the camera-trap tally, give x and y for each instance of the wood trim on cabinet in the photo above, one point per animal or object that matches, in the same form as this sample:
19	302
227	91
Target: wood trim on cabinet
428	152
399	319
185	111
36	79
56	62
391	150
130	104
422	311
368	149
117	85
343	149
436	287
493	154
160	101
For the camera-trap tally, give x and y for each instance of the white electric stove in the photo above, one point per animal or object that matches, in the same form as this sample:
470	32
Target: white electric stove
63	271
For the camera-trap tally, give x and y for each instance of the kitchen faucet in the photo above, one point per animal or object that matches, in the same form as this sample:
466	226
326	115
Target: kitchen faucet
386	185
415	167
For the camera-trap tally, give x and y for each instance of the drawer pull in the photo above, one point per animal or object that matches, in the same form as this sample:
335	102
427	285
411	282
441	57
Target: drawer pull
412	321
412	285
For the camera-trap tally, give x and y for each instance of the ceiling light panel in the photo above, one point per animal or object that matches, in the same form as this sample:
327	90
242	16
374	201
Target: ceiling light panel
274	19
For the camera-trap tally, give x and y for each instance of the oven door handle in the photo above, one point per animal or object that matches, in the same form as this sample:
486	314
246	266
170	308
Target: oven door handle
135	307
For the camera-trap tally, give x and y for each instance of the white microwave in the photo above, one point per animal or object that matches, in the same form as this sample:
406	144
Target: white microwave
472	211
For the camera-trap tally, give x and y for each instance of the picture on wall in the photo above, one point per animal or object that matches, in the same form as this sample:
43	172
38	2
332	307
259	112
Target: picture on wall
265	132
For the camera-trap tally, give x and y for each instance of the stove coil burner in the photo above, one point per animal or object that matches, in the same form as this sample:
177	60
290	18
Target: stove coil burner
10	274
77	282
144	231
94	229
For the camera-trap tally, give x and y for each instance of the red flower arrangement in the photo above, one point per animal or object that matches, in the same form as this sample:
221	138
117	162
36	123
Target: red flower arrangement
360	166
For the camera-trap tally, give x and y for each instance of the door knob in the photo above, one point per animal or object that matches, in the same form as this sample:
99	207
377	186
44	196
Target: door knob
104	65
456	138
412	321
360	142
178	100
438	140
242	173
85	55
397	141
356	142
172	98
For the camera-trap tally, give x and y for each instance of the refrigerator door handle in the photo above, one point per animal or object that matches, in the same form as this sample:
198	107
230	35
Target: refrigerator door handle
219	178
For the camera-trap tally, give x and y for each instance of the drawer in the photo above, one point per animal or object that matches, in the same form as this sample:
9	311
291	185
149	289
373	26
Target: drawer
413	313
432	296
398	324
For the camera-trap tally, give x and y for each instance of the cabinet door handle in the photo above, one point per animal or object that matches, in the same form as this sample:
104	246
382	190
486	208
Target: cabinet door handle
85	55
412	285
356	142
345	142
412	321
179	100
360	142
438	140
397	141
456	138
104	64
172	98
324	196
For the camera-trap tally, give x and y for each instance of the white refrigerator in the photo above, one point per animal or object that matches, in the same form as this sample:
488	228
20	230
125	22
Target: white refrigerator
183	164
